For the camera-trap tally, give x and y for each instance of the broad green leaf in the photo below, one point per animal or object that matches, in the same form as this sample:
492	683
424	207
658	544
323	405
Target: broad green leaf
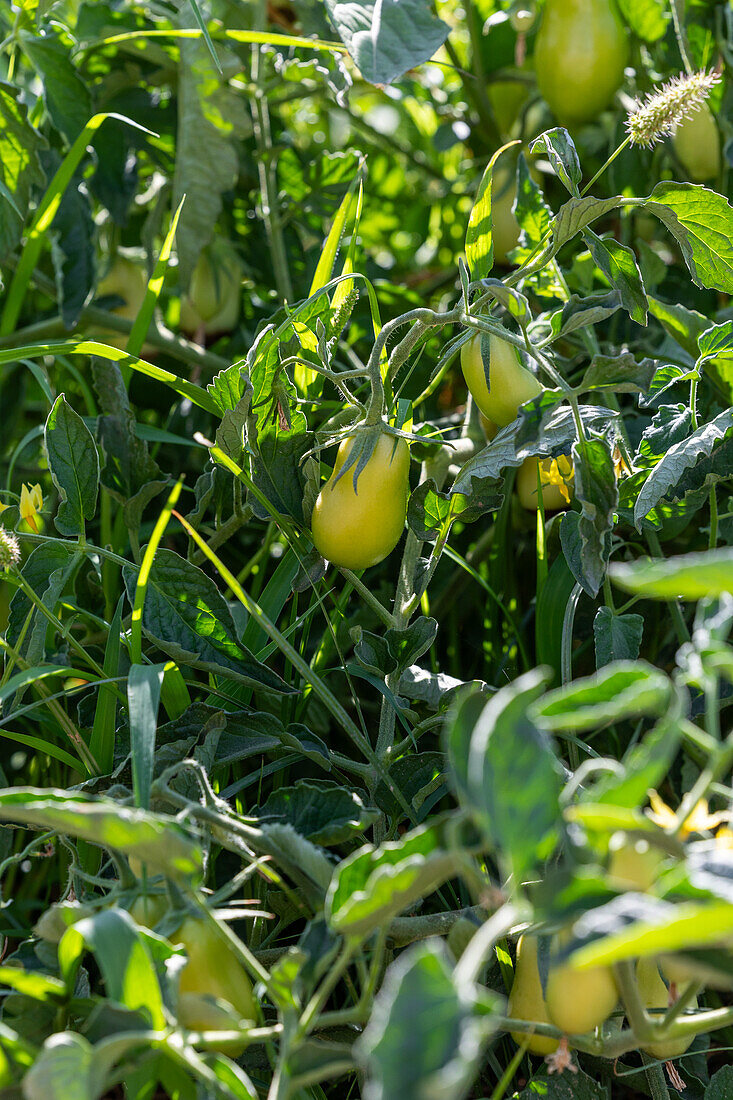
577	213
683	325
622	373
320	811
507	774
616	637
637	925
65	94
47	570
564	1086
212	120
644	768
618	264
504	451
188	618
702	223
621	690
597	491
65	1069
479	235
387	38
20	167
127	968
647	18
563	156
686	577
423	1038
74	464
152	838
374	885
32	983
678	460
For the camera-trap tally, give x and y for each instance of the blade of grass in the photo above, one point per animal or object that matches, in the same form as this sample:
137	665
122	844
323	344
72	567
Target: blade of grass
141	325
180	386
136	643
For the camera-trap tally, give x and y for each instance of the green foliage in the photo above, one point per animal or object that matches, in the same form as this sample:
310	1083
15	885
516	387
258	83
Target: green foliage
363	786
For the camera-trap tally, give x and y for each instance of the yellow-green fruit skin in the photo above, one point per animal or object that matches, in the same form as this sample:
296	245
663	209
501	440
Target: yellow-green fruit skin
213	968
697	145
526	486
526	1001
654	994
511	383
633	863
147	909
213	299
126	280
356	529
580	1000
580	55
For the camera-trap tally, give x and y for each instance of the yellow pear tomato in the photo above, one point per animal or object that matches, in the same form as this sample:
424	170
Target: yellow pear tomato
655	995
633	863
214	295
696	142
511	384
556	478
526	1001
580	55
214	989
356	528
579	1000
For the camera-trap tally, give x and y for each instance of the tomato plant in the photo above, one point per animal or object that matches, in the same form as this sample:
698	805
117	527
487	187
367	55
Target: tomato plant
366	550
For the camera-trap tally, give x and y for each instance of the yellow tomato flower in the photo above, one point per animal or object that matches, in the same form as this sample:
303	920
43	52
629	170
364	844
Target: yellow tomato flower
699	820
559	472
31	503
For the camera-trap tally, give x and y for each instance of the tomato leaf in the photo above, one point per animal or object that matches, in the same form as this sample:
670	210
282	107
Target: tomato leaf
388	38
419	990
701	221
74	464
563	156
506	773
666	476
686	577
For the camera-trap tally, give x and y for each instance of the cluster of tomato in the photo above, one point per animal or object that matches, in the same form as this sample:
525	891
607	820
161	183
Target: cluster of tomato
214	990
579	1001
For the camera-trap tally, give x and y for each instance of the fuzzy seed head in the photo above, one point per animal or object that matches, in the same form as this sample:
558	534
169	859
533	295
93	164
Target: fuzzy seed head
9	549
661	113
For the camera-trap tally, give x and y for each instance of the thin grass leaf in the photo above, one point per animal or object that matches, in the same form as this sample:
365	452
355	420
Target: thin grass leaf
136	643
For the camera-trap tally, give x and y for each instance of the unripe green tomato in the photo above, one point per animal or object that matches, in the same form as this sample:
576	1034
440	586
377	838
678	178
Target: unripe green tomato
580	55
202	1013
553	499
633	863
696	142
526	1001
147	909
212	969
213	298
522	18
511	383
506	98
580	1000
126	280
52	924
356	529
654	994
